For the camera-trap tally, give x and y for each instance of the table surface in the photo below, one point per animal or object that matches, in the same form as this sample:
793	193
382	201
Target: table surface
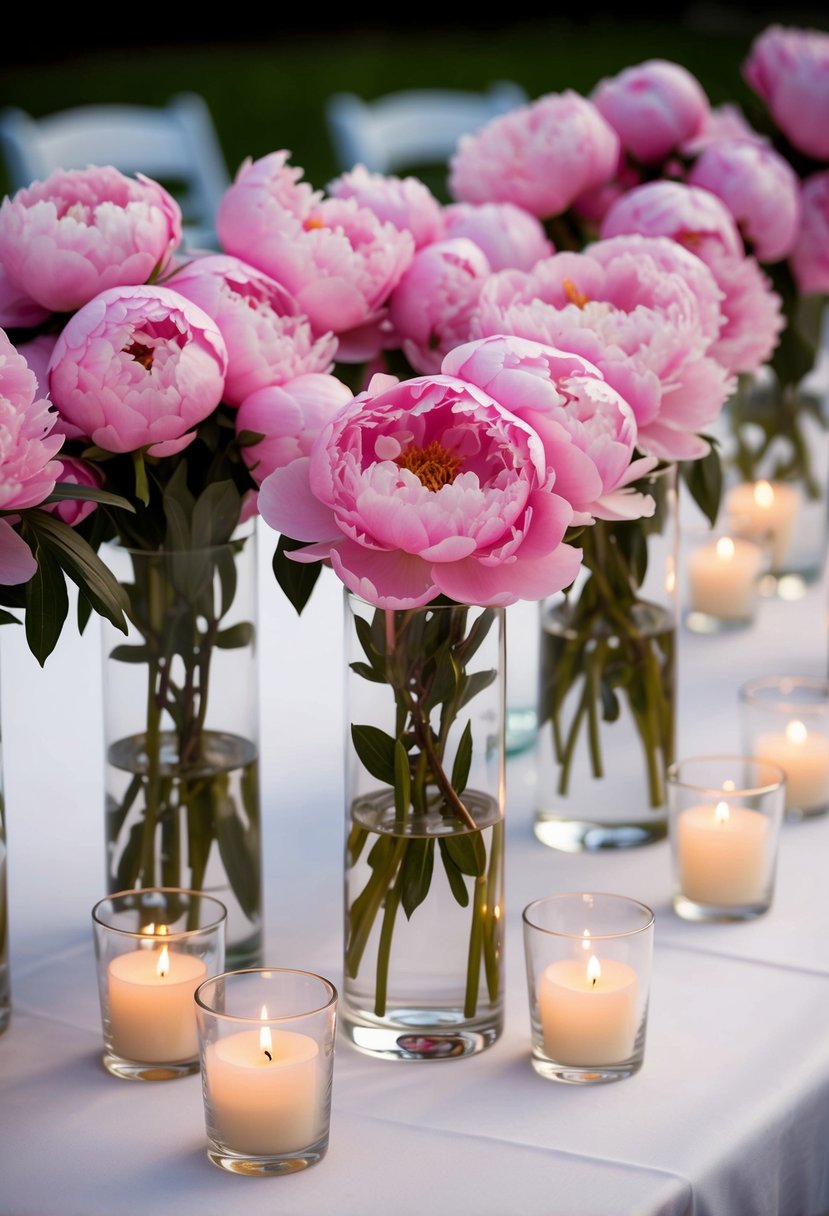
729	1113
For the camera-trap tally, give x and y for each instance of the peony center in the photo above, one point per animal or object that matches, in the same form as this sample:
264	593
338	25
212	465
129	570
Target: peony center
574	295
141	354
433	465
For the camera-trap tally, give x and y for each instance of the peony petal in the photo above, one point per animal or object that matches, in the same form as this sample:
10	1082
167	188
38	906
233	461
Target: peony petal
287	505
470	582
16	562
387	580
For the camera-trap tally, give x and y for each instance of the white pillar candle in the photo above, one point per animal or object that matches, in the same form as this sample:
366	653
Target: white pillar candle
804	757
723	578
588	1011
151	1009
262	1090
722	854
764	511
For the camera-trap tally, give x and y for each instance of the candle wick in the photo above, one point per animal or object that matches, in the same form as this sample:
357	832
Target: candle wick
594	981
268	1054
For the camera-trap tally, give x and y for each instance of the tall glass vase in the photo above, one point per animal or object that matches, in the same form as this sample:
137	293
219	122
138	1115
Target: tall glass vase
182	732
606	706
424	856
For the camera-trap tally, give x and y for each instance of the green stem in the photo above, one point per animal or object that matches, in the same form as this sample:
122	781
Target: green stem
384	948
476	941
492	928
365	907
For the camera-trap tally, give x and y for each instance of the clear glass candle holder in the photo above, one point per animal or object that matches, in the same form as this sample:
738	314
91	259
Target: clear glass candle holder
588	973
267	1058
785	720
724	823
722	581
153	947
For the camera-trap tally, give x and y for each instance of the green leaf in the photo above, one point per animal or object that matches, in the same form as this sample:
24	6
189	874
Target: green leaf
248	439
454	874
237	851
228	577
235	636
6	618
216	514
131	654
367	672
64	490
366	638
46	605
463	759
704	481
416	872
297	579
177	536
477	682
81	563
468	852
142	485
376	750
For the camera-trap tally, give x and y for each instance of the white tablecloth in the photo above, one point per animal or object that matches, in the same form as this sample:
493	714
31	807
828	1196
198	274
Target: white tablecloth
728	1115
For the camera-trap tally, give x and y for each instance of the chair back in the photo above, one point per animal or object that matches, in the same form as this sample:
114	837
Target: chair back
175	145
412	127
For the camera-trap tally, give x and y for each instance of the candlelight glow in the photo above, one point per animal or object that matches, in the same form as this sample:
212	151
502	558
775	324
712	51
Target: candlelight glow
163	964
725	549
265	1036
796	732
721	814
594	970
763	494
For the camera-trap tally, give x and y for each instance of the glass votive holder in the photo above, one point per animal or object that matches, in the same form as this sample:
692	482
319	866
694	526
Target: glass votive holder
153	947
724	823
267	1058
765	511
785	719
588	974
723	575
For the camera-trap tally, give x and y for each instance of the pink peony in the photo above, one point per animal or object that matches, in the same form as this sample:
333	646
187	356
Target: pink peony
425	487
17	310
809	259
508	235
654	107
76	473
588	431
337	259
540	156
760	189
789	69
268	340
64	240
702	223
290	416
645	312
431	307
405	202
28	471
138	367
724	124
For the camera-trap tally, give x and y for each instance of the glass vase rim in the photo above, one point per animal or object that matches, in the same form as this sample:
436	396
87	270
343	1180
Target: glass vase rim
254	1019
673	778
174	935
353	597
784	685
565	897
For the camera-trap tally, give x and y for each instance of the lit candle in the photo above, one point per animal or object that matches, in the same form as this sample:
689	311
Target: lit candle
764	511
588	1010
262	1088
151	1003
722	854
723	578
804	757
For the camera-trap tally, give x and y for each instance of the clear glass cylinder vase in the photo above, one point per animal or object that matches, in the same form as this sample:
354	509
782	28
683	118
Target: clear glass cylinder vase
424	856
181	727
607	695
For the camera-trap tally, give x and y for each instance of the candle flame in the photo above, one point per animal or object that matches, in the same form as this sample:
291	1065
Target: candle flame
722	813
796	732
594	969
163	964
763	494
265	1037
725	549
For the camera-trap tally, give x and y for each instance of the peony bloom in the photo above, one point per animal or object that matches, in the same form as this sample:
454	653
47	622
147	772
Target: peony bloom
431	307
588	431
405	202
702	223
138	367
268	340
724	124
64	240
289	416
789	69
508	235
16	308
760	189
76	472
809	259
540	156
337	259
645	312
426	487
654	107
28	471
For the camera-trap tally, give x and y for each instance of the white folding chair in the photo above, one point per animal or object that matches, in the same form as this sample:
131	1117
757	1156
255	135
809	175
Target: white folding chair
412	127
174	144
